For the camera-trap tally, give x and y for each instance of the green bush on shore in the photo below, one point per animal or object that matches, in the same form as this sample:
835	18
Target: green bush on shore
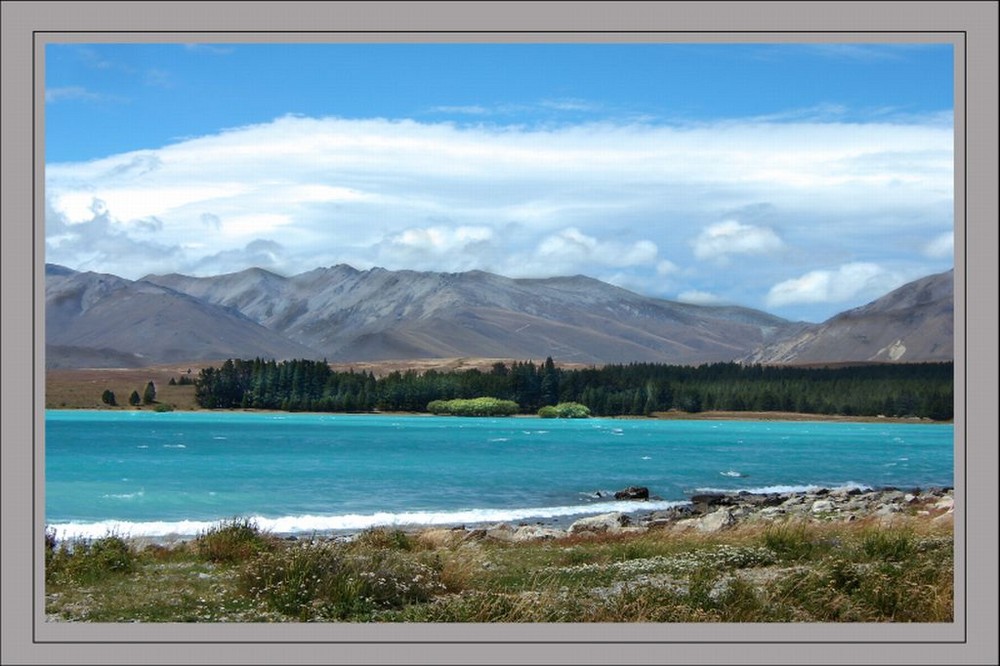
233	540
564	410
473	407
88	562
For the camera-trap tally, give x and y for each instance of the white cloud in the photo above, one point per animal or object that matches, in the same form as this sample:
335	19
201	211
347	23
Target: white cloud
855	51
70	93
260	253
568	242
732	237
570	104
103	246
254	224
428	248
132	203
596	199
211	220
941	247
471	109
847	282
437	239
666	267
158	78
696	297
570	248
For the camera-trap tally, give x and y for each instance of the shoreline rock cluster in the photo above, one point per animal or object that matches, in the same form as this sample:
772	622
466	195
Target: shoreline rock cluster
704	513
720	511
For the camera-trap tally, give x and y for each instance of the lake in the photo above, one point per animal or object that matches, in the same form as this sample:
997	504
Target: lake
141	473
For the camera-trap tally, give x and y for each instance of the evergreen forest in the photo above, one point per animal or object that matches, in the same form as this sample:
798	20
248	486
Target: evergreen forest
923	390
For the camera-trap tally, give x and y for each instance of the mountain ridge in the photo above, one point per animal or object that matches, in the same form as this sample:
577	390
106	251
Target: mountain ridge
912	322
344	314
378	314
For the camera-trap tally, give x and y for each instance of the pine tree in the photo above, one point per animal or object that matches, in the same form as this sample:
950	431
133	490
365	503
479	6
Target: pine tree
149	394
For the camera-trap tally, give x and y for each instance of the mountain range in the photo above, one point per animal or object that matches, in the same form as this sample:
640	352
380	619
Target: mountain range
343	314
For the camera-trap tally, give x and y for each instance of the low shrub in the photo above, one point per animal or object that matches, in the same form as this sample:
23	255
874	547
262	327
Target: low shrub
473	407
565	410
389	579
50	541
789	541
327	581
293	579
86	562
381	537
879	544
235	540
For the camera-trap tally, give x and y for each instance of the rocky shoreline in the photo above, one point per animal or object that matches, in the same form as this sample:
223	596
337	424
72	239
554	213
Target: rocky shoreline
714	512
703	513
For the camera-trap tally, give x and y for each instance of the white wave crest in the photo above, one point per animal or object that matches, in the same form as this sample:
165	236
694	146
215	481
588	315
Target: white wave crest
784	489
124	496
306	524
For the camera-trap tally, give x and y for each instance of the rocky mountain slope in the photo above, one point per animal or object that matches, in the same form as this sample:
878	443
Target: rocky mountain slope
99	320
346	314
912	323
343	314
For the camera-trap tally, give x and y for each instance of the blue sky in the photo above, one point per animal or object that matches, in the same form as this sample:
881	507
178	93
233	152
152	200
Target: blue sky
802	179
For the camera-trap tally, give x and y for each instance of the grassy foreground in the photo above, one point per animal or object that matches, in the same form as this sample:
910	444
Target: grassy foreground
791	571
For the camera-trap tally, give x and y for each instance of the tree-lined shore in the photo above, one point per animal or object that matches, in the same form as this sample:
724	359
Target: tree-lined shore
921	390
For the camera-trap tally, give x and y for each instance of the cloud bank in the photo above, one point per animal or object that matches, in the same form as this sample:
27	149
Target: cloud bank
783	215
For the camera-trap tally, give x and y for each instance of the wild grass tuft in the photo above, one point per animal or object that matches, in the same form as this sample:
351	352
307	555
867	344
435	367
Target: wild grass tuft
382	537
292	580
232	541
881	544
790	541
89	561
353	581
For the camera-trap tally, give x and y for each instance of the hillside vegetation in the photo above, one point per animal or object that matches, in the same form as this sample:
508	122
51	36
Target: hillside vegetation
863	571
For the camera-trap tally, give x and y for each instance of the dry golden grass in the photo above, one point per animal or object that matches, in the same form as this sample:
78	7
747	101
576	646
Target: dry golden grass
383	368
82	388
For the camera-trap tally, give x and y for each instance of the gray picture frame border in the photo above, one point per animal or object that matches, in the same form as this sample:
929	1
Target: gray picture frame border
971	26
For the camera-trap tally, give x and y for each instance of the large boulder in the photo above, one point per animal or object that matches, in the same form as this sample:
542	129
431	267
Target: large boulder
536	532
633	493
605	522
716	521
504	532
822	506
704	502
946	503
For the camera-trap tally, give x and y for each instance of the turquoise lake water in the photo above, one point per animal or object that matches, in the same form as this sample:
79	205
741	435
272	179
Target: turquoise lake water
143	473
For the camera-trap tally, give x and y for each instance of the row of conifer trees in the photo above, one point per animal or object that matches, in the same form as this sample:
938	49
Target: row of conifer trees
916	390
